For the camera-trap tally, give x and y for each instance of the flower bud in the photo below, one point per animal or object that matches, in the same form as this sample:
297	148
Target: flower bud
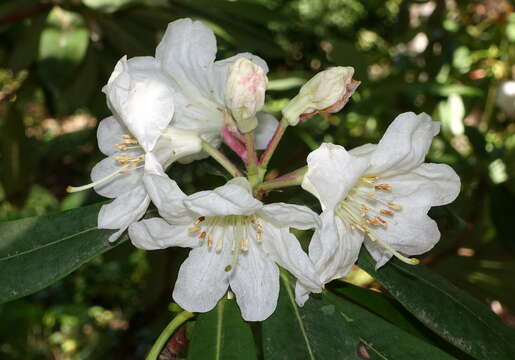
245	93
326	92
506	98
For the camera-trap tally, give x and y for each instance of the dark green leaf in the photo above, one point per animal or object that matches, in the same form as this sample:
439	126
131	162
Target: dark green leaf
455	316
330	327
222	334
36	252
26	50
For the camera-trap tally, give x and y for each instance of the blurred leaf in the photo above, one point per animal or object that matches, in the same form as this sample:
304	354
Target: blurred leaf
26	49
109	6
17	157
330	327
122	39
82	88
36	252
345	53
502	207
63	45
222	334
457	317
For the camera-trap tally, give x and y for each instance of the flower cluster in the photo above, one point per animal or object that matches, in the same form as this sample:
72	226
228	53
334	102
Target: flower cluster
181	105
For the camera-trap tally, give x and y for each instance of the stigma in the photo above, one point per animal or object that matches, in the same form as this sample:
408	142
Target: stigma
365	210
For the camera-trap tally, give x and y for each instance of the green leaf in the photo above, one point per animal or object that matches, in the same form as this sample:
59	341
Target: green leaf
26	49
221	334
455	316
62	46
330	327
36	252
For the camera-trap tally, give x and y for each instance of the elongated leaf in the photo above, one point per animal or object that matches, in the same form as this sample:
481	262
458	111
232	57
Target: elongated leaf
221	334
36	252
455	316
330	327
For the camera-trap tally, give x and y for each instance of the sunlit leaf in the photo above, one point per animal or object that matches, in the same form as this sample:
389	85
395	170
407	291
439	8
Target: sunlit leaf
457	317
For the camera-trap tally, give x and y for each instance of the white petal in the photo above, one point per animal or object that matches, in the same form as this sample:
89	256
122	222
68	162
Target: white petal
265	130
117	185
155	233
363	150
427	185
290	215
202	280
187	50
168	198
255	282
110	133
284	248
123	211
404	144
233	198
332	172
410	231
334	248
142	96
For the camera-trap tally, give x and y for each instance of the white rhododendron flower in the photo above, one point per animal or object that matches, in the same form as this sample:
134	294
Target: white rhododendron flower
326	92
141	99
187	53
378	194
236	242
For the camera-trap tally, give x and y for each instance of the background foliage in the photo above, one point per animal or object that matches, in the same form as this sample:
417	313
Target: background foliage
442	57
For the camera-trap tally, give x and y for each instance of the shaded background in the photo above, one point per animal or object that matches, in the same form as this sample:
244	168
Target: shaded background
446	58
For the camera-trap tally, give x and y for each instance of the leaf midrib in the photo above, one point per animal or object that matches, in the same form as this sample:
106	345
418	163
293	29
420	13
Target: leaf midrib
297	315
37	248
430	325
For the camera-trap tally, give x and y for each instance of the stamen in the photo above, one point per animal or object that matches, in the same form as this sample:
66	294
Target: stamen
411	261
370	179
386	212
259	236
385	187
199	220
209	240
127	139
244	245
394	206
381	220
194	229
202	236
122	147
72	189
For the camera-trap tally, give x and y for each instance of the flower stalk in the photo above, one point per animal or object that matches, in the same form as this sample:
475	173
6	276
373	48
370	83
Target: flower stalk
167	332
291	179
221	159
272	145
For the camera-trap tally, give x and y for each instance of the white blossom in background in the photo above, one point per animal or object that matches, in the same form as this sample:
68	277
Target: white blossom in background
187	54
377	194
326	92
236	242
506	98
136	136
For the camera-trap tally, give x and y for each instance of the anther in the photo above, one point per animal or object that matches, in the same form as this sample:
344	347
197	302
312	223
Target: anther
127	139
394	206
209	241
193	229
244	245
385	187
386	212
122	159
370	179
373	222
199	220
202	236
381	220
259	236
122	147
228	268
